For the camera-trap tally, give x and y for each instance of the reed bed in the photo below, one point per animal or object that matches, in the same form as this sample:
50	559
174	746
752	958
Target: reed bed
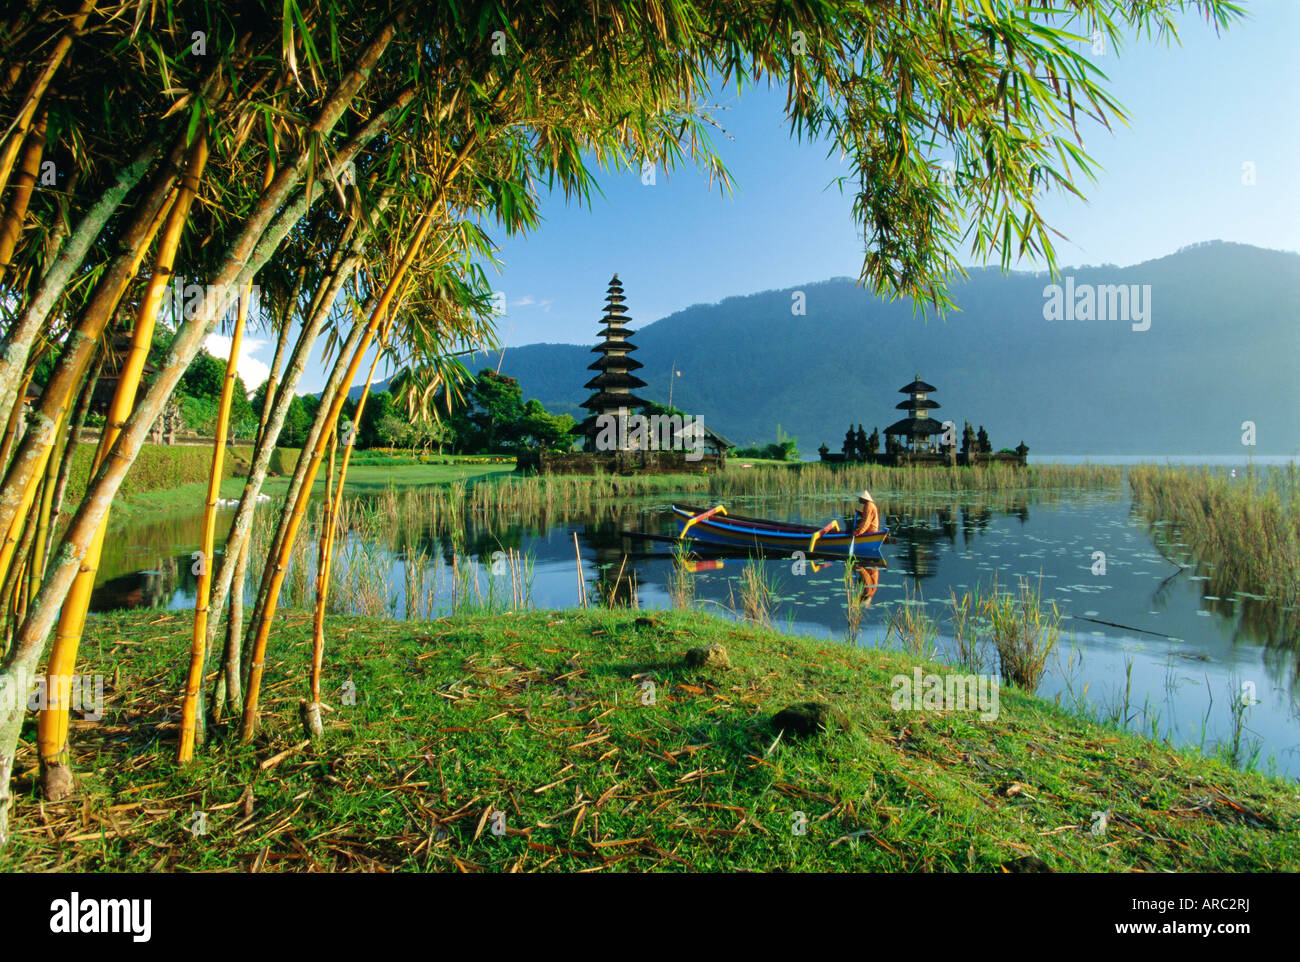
1015	625
966	610
388	564
795	478
1246	529
817	478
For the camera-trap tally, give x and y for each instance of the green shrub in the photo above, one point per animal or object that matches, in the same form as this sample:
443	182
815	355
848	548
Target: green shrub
284	460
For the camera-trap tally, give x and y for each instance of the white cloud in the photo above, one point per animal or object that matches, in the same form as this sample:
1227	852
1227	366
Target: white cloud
250	369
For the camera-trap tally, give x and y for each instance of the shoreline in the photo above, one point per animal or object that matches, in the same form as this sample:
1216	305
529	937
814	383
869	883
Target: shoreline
544	716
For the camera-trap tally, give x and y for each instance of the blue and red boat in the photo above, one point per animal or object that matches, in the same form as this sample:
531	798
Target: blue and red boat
714	526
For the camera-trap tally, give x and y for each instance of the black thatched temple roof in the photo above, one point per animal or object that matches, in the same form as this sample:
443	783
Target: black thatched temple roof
916	427
609	379
607	402
917	387
613	385
923	405
615	362
605	347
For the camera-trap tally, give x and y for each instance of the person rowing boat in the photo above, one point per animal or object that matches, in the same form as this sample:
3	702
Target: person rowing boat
870	576
868	514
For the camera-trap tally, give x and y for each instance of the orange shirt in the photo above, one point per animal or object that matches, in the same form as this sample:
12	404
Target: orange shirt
870	576
868	519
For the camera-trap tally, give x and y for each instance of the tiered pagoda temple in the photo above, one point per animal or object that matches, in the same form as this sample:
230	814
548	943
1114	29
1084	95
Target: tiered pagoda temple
918	427
614	383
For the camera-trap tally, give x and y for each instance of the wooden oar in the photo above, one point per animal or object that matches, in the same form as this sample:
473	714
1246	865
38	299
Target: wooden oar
830	526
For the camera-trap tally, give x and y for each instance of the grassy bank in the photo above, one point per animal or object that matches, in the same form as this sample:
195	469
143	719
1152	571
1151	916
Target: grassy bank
547	718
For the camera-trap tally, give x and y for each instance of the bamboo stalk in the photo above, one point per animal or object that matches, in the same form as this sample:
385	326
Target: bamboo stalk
277	570
46	511
228	694
15	418
29	166
241	257
203	591
342	263
73	438
18	130
31	321
190	717
19	487
52	721
325	556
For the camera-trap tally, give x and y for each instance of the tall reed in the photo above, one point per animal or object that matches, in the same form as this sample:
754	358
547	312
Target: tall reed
681	580
855	603
1024	633
757	592
967	648
917	632
1246	530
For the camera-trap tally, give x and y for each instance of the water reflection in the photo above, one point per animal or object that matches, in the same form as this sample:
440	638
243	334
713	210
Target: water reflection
1186	629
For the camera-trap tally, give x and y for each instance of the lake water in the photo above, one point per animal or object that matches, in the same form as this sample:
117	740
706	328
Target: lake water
1154	623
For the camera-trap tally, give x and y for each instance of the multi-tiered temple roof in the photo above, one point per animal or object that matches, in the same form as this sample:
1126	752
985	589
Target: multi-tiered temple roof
918	425
614	383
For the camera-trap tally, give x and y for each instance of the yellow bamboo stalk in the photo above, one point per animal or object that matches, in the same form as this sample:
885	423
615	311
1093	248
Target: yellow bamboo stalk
29	167
280	560
311	713
16	415
203	593
52	721
37	91
30	476
333	503
47	503
12	537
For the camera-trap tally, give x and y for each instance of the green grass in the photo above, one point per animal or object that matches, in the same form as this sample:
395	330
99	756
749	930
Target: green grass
542	716
363	479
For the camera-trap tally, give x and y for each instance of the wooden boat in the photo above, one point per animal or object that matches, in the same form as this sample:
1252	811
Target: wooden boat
713	526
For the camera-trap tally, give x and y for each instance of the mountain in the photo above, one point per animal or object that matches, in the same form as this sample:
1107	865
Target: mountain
1221	349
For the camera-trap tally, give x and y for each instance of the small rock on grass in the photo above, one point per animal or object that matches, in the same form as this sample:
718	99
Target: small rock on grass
810	718
708	656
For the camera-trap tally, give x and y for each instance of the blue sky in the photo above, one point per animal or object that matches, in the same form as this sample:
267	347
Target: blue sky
1199	111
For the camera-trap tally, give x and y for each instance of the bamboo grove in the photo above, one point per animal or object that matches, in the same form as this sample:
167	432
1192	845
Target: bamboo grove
348	161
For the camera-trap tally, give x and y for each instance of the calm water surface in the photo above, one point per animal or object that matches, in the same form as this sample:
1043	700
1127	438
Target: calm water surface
1180	638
